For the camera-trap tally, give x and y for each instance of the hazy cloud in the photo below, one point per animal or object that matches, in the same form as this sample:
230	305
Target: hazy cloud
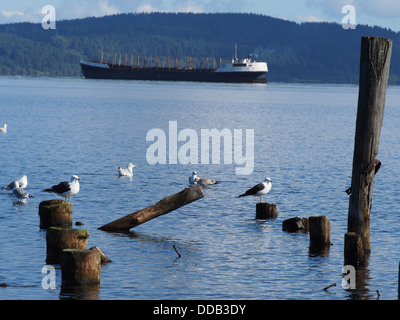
70	9
308	18
11	13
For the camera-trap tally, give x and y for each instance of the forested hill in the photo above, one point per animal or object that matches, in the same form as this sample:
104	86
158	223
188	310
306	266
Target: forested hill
312	52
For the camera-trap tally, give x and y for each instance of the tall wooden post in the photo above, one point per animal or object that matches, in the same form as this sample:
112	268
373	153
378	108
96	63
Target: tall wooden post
374	74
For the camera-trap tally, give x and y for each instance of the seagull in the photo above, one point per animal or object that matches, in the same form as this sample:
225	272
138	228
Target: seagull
259	189
3	129
23	182
123	172
66	189
204	182
20	192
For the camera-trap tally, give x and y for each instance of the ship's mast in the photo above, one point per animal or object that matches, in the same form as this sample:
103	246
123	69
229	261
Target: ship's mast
235	50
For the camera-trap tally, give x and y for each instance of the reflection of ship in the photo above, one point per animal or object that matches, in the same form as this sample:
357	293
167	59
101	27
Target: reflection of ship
239	70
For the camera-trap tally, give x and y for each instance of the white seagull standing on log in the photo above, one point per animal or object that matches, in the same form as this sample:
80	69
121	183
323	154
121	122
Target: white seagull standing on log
259	189
126	172
204	182
66	189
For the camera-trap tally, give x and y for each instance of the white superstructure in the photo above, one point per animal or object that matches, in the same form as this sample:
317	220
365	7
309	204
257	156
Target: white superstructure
244	65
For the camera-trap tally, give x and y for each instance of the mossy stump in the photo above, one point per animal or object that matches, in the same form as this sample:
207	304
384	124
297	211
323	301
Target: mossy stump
80	267
265	210
58	239
55	213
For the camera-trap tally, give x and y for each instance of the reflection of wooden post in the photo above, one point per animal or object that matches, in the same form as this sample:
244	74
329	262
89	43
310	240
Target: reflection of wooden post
374	74
80	267
55	213
163	206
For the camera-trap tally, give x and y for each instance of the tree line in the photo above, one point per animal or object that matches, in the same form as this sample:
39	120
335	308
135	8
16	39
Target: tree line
305	52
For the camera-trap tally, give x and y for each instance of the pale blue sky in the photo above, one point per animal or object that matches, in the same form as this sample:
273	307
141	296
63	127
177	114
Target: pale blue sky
384	13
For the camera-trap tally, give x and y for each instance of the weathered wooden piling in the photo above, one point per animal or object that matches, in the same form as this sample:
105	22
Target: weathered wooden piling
55	213
374	74
398	285
295	224
320	232
265	210
353	249
80	267
163	206
58	239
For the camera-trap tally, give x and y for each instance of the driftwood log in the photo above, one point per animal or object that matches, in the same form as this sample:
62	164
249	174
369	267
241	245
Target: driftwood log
163	206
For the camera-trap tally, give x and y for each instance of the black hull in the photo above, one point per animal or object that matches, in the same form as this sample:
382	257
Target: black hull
165	74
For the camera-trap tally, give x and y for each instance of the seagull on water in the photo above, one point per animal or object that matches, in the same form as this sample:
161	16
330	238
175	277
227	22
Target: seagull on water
3	129
20	193
23	182
126	172
66	189
204	182
259	189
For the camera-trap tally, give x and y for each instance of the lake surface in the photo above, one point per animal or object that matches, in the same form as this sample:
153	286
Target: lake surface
303	141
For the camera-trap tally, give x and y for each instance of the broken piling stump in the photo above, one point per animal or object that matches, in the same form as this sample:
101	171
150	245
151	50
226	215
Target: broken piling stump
265	210
163	206
58	239
295	224
320	233
55	213
80	267
353	249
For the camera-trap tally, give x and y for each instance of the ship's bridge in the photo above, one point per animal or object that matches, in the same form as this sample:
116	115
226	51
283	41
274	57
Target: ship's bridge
244	65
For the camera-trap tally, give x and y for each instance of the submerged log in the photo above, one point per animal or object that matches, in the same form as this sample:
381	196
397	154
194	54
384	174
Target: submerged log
295	224
58	239
80	267
55	213
163	206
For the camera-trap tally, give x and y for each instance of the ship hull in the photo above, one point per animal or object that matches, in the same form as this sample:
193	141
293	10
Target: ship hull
94	71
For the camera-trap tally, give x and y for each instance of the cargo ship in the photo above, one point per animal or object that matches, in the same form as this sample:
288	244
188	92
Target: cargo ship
240	70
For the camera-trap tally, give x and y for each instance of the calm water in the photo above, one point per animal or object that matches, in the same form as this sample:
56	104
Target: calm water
303	141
